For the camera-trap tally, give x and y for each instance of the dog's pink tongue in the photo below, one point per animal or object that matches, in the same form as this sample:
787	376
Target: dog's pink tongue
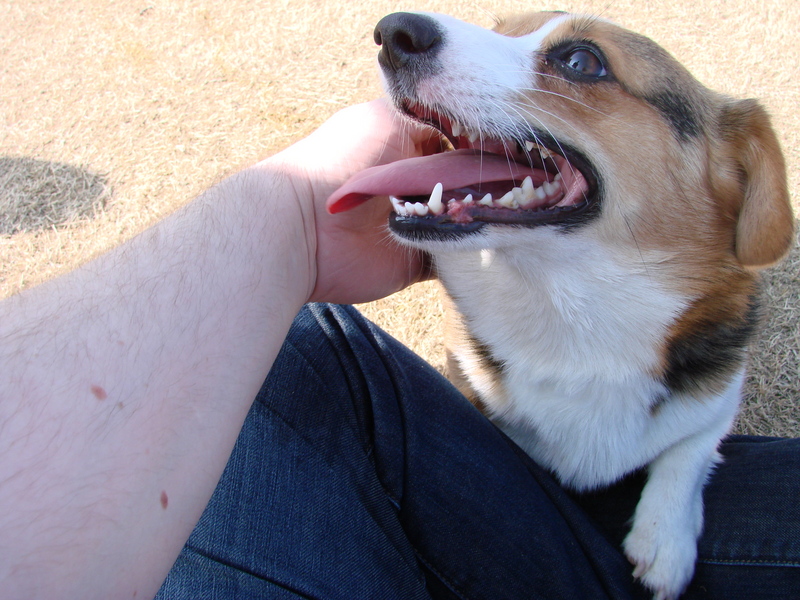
418	176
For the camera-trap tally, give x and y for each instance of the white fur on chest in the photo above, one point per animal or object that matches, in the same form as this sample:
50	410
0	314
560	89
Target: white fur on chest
579	331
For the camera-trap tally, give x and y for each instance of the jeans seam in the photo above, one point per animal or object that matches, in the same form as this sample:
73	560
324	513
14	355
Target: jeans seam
371	335
365	444
333	320
445	580
310	364
449	584
240	569
748	562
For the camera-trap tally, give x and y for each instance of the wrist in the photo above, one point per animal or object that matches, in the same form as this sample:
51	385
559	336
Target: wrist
272	221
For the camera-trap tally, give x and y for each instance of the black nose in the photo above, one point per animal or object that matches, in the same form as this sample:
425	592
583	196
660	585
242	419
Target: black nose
406	39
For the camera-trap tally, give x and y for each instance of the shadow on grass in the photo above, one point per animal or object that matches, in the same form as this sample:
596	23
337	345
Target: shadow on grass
772	391
37	194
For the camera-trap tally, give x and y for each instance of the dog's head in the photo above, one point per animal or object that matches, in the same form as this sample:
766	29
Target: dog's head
567	123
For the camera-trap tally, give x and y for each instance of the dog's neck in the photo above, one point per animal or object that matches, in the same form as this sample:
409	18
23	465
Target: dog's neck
585	316
582	336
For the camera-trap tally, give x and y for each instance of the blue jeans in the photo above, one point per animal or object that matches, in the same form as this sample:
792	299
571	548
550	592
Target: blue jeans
361	473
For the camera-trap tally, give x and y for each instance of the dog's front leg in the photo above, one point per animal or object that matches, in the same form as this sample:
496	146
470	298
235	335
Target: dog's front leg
662	543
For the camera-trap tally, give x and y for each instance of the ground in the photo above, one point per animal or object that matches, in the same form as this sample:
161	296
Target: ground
140	105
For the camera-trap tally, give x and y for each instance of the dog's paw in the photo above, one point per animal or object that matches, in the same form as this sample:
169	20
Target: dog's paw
663	557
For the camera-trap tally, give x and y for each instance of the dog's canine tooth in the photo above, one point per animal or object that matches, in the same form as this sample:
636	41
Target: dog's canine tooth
486	200
457	129
435	203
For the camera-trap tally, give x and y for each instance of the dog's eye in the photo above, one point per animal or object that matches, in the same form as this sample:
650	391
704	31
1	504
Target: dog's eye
585	62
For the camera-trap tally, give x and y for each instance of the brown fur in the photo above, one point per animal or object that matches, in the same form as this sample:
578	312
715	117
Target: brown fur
716	161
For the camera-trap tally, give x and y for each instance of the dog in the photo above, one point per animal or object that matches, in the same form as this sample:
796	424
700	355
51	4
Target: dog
597	222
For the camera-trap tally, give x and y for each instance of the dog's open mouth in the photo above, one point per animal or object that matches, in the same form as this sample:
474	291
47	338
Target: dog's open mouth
480	180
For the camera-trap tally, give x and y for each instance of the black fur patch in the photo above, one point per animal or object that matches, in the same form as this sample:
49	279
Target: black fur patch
680	114
712	353
484	354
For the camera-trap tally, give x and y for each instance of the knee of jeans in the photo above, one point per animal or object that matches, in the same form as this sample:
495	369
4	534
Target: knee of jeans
320	328
361	371
310	359
331	363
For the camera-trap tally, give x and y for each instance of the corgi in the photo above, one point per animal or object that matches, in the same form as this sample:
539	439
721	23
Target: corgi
597	222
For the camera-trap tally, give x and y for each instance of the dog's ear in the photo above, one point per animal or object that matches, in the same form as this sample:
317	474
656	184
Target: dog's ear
749	178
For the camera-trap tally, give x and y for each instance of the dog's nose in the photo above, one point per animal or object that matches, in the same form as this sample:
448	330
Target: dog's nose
406	39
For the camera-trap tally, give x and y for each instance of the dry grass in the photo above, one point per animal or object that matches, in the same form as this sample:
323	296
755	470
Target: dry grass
166	98
38	194
771	396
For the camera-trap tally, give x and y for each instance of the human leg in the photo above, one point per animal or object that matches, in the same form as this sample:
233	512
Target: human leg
298	512
750	546
361	473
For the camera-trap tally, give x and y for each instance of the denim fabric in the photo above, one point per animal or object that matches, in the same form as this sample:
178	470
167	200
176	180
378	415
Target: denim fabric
361	473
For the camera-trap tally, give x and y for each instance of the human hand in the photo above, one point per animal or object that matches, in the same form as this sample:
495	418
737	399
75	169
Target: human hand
356	258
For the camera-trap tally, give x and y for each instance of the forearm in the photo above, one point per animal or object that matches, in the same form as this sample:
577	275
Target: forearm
126	382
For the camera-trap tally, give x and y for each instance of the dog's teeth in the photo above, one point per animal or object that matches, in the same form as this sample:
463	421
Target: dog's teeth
550	188
473	136
529	146
468	200
399	206
545	153
507	201
527	189
557	177
540	194
419	209
435	203
486	200
456	129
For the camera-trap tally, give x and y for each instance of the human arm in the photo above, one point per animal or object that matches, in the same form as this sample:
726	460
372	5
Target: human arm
125	383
